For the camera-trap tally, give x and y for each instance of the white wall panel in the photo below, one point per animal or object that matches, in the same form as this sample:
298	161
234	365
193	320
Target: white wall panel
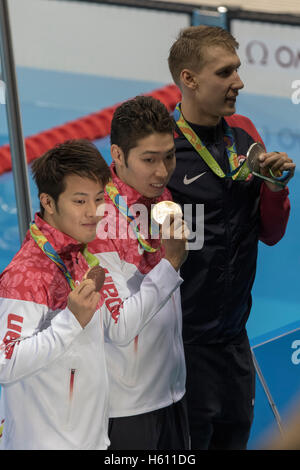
270	55
95	39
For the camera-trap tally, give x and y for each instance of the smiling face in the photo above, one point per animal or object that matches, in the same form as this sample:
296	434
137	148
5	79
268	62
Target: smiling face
213	90
149	165
75	211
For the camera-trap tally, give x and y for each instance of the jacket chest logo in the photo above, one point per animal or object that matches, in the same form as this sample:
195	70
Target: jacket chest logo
187	180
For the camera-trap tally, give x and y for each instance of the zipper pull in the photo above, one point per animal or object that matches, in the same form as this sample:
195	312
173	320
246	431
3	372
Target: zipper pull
71	388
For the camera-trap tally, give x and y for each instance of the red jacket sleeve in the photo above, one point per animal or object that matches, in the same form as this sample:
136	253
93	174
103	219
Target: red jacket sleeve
274	214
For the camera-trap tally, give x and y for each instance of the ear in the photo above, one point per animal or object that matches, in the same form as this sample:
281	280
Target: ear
117	155
188	79
48	203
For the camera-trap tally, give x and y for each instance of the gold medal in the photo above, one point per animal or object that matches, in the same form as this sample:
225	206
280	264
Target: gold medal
164	208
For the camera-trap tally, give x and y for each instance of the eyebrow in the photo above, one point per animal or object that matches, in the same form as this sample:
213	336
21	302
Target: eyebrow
153	152
230	66
86	194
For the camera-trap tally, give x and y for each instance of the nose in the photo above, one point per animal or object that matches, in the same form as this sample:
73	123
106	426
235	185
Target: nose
91	208
161	170
238	83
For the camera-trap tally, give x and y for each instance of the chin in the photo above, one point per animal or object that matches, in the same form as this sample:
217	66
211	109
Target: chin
156	192
87	238
229	111
90	239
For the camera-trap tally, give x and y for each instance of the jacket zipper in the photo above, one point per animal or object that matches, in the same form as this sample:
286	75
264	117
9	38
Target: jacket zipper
71	391
228	245
71	388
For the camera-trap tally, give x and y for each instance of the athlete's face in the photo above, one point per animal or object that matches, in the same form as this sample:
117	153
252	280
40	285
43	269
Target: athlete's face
75	211
149	165
217	84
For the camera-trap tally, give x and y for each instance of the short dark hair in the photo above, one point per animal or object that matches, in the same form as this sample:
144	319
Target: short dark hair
137	118
188	50
73	157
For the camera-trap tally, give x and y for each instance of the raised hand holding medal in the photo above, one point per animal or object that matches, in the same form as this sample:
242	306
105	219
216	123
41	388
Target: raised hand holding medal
274	167
174	231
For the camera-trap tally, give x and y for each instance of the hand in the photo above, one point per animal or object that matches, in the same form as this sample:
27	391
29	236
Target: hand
83	301
174	233
276	162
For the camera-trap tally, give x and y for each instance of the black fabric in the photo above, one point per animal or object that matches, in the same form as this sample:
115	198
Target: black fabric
220	395
216	292
163	429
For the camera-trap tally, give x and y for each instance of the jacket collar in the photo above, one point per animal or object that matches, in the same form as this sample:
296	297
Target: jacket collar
209	134
133	196
61	242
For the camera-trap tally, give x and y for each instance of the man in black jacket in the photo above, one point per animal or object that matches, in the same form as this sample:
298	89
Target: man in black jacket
239	209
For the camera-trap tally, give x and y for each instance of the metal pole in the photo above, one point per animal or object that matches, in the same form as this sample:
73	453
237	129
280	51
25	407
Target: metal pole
268	394
17	147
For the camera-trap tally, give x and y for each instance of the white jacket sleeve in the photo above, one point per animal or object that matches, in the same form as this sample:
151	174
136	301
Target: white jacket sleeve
125	314
29	339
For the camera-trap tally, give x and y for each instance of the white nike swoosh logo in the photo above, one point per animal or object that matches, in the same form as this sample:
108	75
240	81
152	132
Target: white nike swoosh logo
187	180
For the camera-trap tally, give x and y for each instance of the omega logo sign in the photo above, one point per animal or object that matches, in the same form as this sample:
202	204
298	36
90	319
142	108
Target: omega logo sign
257	52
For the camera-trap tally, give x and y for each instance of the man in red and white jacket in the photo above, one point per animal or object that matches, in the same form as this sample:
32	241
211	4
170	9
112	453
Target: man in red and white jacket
53	373
147	377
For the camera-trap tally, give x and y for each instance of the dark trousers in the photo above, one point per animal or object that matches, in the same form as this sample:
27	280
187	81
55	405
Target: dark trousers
220	394
163	429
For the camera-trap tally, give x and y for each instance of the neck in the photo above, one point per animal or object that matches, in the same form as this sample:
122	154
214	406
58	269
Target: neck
48	219
119	174
194	115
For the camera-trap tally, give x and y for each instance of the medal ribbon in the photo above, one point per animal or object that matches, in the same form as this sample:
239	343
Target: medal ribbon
121	205
238	171
49	251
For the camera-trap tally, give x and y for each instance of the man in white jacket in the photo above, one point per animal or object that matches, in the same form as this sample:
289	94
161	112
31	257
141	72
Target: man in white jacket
53	374
147	377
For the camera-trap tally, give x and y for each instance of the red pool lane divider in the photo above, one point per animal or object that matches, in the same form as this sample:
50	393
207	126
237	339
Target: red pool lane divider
93	126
